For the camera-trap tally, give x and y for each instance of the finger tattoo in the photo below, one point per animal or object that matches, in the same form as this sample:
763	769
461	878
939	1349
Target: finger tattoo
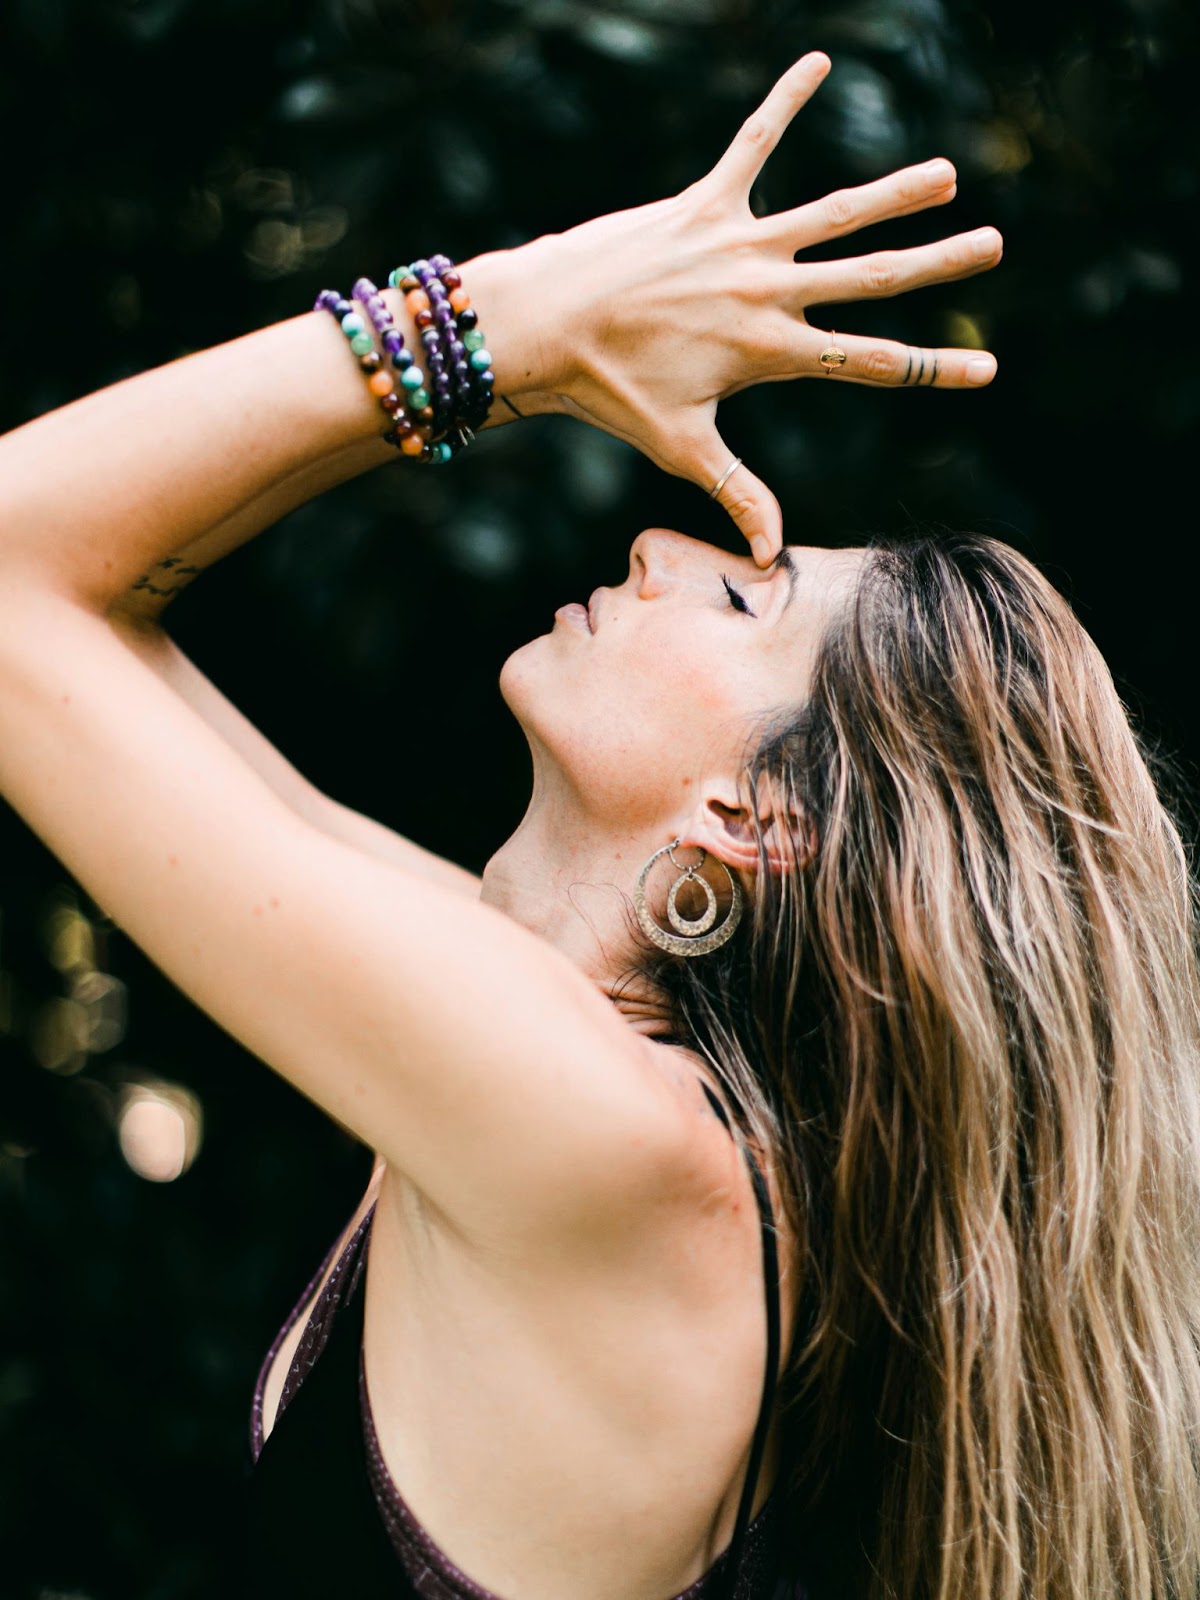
908	368
934	373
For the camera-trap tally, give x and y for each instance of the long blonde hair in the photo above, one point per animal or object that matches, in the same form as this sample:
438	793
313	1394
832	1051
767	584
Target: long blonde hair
969	1032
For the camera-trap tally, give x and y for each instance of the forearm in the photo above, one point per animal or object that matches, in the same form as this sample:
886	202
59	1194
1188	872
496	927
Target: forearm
154	589
194	457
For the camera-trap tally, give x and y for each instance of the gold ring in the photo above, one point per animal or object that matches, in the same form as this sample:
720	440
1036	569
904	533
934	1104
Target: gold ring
833	356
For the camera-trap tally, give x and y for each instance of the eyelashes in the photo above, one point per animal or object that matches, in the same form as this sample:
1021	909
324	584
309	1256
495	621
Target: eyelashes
736	600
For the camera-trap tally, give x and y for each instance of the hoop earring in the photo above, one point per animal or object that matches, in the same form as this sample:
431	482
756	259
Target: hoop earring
690	938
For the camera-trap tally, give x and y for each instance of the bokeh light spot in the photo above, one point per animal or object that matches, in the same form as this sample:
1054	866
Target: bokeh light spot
159	1128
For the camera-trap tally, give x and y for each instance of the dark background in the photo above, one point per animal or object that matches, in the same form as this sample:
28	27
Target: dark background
179	172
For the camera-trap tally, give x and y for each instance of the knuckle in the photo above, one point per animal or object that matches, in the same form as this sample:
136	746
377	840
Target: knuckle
881	365
737	502
839	210
879	274
756	131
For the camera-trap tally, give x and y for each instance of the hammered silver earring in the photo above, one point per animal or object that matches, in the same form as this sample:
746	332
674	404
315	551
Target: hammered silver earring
691	938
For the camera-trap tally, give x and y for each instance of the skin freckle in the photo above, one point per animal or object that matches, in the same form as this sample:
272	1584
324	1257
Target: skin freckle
258	911
66	699
173	861
274	903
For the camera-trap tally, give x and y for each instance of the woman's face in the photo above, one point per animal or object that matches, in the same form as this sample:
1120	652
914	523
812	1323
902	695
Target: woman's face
656	685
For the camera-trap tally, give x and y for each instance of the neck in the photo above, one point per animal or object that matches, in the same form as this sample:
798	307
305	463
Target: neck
568	878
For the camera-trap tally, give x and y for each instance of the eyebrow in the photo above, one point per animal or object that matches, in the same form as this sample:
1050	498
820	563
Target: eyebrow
784	560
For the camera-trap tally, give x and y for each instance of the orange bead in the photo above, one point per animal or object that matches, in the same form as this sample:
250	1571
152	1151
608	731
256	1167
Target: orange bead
381	383
459	299
412	445
416	300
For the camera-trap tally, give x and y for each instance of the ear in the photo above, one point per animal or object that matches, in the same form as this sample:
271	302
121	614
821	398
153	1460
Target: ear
725	827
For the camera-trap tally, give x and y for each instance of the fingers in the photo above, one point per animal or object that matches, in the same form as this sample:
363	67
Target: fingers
744	496
889	365
741	164
846	210
889	272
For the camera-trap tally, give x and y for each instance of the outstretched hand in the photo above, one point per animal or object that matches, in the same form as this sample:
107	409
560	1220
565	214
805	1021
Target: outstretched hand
690	299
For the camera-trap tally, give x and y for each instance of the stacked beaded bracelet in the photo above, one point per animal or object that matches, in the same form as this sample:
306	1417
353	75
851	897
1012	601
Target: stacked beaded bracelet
431	418
461	365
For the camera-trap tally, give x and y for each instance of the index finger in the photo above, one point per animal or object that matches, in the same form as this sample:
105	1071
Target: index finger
762	130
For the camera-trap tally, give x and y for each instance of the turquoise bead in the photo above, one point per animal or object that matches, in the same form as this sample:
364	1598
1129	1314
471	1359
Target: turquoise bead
394	277
412	377
418	398
352	323
473	339
441	454
362	343
480	359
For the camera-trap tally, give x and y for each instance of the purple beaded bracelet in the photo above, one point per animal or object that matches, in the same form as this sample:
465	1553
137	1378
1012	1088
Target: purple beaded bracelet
448	324
405	404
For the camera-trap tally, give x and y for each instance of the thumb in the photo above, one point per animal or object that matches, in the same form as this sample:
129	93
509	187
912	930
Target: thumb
744	496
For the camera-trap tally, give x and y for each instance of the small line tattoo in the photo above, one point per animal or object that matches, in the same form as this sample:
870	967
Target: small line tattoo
908	368
933	378
177	568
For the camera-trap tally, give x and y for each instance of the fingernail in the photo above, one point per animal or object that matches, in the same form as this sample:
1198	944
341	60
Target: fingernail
761	549
984	242
940	169
981	369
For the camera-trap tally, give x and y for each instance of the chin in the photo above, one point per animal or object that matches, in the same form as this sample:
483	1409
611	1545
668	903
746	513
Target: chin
518	677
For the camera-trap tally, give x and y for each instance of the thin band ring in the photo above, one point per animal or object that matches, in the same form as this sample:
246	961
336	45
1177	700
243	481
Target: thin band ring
724	478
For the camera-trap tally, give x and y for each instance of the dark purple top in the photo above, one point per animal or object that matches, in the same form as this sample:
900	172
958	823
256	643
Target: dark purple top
300	1448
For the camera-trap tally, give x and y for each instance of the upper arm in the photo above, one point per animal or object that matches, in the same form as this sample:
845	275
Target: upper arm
463	1048
157	650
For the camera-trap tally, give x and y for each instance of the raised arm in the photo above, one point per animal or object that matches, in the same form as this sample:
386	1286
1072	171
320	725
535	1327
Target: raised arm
138	617
472	1054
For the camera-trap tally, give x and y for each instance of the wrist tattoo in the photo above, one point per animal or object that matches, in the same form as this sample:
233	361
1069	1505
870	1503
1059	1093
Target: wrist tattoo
172	567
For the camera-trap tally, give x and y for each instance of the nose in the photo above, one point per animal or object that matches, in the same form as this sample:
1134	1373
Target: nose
658	558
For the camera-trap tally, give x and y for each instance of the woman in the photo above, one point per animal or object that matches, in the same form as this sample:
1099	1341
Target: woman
835	1000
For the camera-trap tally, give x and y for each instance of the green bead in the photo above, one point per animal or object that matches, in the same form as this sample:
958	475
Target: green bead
361	343
480	359
394	277
473	339
412	377
418	398
352	323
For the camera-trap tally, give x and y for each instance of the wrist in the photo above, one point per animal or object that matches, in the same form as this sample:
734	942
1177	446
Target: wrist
516	295
518	299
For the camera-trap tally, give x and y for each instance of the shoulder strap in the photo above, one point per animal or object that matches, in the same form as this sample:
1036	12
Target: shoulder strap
771	1276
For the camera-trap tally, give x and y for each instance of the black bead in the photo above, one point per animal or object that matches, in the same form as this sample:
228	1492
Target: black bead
468	318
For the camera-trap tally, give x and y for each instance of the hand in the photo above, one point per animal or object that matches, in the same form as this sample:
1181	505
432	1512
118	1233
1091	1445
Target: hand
690	299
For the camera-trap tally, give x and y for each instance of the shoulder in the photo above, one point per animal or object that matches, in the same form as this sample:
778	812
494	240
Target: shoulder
693	1164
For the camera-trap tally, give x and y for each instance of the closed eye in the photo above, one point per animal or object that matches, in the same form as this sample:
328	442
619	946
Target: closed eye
736	599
